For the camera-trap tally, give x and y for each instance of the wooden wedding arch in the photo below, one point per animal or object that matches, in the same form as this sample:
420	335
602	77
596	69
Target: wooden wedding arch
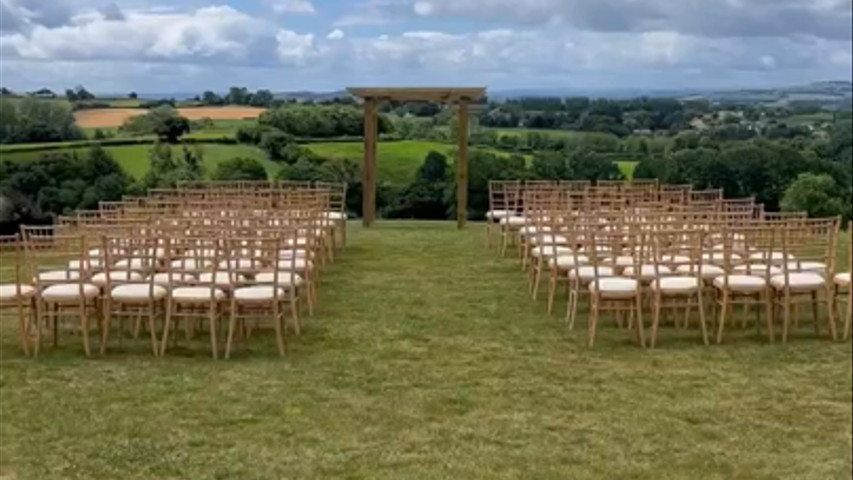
461	97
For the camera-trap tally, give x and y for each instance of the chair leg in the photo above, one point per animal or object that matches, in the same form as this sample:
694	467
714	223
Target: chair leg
815	314
84	326
593	319
552	289
702	324
849	320
724	306
279	339
831	312
107	322
786	316
655	319
232	320
641	332
153	327
40	308
22	326
212	313
167	326
771	316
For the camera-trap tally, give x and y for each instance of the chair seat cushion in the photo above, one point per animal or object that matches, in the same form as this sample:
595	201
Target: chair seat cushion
135	263
513	221
677	259
190	264
12	291
621	260
799	281
220	278
742	283
719	257
90	264
533	230
296	264
284	278
499	214
258	293
137	292
708	270
163	278
758	269
115	276
807	266
842	279
549	239
567	261
588	272
772	257
550	251
296	242
615	287
58	275
336	215
69	292
647	272
676	285
240	264
295	252
196	294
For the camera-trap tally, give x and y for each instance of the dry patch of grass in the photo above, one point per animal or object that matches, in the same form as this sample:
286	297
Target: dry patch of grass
426	359
114	117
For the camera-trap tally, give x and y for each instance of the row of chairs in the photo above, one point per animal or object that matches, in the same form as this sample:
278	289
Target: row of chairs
656	257
213	257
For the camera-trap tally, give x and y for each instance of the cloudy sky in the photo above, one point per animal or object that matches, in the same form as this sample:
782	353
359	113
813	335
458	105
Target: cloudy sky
113	46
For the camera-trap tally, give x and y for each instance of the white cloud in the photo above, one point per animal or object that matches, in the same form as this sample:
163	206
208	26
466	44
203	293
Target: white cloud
336	34
293	6
220	33
746	18
294	48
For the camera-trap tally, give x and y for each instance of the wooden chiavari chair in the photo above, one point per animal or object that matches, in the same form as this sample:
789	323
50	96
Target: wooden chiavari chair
16	291
619	293
130	282
841	282
195	285
504	202
749	288
62	278
678	278
807	263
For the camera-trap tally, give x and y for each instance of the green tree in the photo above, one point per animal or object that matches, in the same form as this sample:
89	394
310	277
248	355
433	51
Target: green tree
819	195
262	98
239	168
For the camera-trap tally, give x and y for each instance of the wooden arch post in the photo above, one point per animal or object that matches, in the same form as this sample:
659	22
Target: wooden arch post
462	97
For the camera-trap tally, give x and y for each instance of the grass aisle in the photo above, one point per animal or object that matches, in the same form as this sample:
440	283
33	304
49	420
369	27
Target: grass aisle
426	359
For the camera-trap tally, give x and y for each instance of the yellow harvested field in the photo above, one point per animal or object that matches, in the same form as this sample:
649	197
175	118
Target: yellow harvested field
114	117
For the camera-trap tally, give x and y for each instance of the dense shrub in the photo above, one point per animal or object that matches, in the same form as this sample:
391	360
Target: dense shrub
319	121
427	196
30	120
820	195
240	169
162	121
38	190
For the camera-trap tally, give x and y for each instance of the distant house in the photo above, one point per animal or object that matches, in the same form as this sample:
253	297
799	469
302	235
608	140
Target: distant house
698	124
43	93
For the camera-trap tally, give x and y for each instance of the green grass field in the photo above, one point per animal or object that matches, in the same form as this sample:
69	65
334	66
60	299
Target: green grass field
627	168
397	162
426	359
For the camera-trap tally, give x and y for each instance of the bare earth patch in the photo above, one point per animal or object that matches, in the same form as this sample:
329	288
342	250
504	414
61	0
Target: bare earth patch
114	117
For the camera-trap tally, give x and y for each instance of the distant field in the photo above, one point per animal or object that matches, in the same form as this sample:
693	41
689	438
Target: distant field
627	168
397	162
807	118
134	158
114	117
522	131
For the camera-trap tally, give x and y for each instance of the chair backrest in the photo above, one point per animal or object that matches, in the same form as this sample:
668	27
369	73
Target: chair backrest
12	269
58	255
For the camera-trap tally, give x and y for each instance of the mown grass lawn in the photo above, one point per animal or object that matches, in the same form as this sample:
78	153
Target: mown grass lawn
426	359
